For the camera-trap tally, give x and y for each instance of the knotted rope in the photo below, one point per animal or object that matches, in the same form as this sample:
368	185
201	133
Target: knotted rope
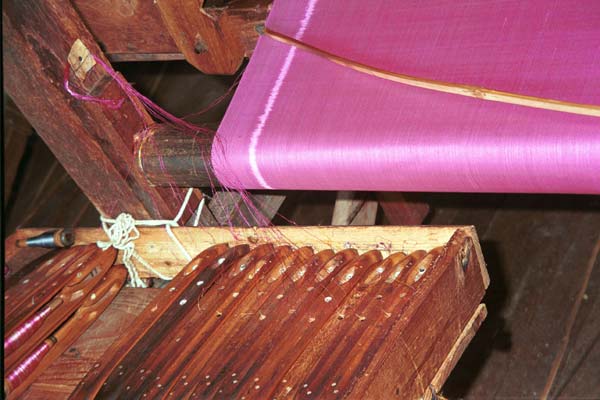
122	233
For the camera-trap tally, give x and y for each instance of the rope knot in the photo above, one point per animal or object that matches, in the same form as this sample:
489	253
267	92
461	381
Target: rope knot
123	232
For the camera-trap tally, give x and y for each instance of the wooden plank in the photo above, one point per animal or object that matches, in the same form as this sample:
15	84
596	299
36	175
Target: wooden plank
459	347
367	214
34	185
37	39
306	208
61	378
537	249
50	199
354	208
403	208
156	246
430	327
125	28
135	31
577	376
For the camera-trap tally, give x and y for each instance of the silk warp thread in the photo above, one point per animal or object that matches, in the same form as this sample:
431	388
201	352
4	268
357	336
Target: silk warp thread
310	123
444	87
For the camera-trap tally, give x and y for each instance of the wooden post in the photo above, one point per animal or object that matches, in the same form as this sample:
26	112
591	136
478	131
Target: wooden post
92	142
352	208
403	208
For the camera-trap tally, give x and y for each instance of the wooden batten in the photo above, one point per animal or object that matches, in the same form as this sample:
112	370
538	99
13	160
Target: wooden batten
156	247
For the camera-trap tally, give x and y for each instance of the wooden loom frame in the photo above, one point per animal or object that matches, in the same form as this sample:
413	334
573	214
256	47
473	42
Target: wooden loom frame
452	321
94	144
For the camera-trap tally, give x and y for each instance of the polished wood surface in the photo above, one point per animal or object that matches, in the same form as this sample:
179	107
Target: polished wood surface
272	318
297	316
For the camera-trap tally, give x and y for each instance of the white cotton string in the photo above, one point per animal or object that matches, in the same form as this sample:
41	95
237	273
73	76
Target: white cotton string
199	211
178	243
123	231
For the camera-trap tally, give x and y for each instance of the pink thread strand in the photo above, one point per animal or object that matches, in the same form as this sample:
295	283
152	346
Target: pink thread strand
332	128
25	331
25	368
109	103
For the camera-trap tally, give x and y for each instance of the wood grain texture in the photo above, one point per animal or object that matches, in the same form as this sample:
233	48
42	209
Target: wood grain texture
156	246
72	289
354	208
199	265
59	381
25	296
37	40
93	304
428	330
537	249
459	347
250	308
135	31
403	208
199	323
209	43
126	28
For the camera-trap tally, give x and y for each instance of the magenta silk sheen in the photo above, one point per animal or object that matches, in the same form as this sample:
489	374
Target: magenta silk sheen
299	121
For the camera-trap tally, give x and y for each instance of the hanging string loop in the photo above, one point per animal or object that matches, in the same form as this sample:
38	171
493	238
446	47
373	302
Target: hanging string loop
123	231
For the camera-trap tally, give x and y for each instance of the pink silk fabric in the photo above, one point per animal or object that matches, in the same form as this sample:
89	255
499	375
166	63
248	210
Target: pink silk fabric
298	121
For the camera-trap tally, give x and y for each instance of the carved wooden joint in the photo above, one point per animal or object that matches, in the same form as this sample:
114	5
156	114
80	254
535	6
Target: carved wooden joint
209	42
85	76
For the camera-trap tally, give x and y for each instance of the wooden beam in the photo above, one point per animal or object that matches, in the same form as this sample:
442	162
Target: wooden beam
354	208
459	347
156	247
403	208
430	327
92	142
135	31
208	43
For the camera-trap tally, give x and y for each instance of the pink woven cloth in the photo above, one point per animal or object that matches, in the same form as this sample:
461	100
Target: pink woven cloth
298	121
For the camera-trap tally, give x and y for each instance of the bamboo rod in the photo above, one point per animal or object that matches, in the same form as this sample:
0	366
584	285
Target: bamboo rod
446	87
